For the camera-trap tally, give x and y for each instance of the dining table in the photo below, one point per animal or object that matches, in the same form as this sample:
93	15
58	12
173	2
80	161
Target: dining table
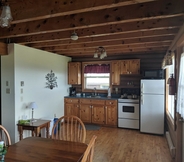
38	149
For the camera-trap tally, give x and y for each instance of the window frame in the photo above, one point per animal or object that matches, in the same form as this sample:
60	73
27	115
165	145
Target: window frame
83	82
169	117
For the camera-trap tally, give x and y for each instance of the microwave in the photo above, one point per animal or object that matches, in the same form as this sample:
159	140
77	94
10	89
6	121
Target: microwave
153	74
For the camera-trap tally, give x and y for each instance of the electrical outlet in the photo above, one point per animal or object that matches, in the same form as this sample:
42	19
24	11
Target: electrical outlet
8	90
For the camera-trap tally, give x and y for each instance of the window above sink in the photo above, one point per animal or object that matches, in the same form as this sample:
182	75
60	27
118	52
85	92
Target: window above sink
95	75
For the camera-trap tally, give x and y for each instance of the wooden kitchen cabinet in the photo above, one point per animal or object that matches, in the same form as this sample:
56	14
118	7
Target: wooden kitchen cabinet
98	111
74	73
103	112
130	66
111	113
85	110
115	72
71	106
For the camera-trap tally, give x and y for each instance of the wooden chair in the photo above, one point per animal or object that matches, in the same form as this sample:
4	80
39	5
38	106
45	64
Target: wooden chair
4	136
69	128
88	154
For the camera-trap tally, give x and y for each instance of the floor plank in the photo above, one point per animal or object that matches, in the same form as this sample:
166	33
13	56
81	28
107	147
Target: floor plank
126	145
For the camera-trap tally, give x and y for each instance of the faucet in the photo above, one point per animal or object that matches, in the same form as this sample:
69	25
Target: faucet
95	91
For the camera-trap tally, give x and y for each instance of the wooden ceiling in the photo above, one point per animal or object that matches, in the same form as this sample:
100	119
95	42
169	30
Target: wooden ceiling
120	26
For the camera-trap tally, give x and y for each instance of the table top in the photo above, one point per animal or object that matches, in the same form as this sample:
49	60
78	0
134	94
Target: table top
36	123
45	149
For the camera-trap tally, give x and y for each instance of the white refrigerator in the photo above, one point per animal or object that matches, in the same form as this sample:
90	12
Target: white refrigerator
152	106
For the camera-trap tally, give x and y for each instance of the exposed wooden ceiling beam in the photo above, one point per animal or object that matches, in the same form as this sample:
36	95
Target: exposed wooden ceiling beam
118	47
109	43
107	16
25	10
139	34
167	23
125	51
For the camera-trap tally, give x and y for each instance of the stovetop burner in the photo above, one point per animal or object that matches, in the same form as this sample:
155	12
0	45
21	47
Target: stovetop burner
128	100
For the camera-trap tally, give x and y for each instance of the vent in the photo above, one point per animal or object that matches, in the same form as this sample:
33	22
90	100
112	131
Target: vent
171	146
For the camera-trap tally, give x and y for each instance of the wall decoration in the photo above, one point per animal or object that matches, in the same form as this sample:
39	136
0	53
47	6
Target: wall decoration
51	80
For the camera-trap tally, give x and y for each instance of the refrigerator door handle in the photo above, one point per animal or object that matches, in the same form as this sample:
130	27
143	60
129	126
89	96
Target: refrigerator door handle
142	99
142	87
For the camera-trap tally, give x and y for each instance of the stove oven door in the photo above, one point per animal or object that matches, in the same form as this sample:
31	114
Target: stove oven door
128	110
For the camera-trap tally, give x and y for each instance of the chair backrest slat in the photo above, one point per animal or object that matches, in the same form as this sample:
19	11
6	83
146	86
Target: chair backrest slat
88	155
4	136
70	128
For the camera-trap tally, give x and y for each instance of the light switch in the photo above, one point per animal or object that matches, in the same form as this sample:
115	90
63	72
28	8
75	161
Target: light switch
7	83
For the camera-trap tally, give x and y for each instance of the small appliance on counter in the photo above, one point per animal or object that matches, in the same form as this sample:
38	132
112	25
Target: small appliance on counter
72	91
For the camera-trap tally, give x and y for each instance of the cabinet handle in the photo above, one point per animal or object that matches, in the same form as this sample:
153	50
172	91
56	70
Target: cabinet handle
91	106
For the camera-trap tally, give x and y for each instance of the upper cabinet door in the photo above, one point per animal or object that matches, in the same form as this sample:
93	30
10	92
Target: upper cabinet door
134	66
74	73
130	66
125	66
115	72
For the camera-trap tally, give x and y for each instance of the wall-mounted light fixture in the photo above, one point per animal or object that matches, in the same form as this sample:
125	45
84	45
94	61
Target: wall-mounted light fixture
101	52
6	17
167	61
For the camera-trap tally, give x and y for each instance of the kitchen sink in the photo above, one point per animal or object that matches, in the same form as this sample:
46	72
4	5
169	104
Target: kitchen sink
93	96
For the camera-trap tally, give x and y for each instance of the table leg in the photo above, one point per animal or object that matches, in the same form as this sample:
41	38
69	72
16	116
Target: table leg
32	132
20	132
37	131
47	129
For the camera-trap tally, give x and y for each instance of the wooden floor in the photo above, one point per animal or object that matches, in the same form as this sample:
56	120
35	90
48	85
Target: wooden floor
125	145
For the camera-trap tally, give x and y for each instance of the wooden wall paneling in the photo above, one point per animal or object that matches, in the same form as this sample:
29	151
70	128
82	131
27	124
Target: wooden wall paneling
3	49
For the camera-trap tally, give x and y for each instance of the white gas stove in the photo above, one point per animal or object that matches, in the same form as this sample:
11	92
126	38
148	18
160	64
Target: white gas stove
128	113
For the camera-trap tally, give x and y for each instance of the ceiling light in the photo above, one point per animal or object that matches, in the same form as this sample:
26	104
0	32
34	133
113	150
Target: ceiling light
6	17
74	36
101	52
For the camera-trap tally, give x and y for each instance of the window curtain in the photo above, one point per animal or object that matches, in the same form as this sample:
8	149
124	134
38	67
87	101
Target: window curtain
96	68
180	96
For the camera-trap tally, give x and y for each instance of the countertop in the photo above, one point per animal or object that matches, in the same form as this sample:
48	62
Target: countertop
99	98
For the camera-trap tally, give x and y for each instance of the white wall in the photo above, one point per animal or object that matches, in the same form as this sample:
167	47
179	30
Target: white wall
183	136
31	66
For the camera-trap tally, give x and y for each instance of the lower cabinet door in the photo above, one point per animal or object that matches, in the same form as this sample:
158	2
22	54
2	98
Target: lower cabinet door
72	109
85	113
111	115
98	114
